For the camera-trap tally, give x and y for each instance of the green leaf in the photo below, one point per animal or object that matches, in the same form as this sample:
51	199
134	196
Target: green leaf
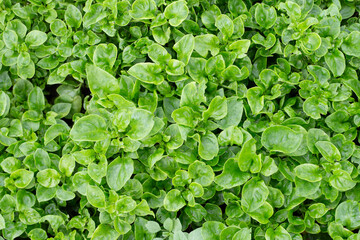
119	172
338	121
201	173
225	25
309	172
243	233
36	100
4	104
278	233
2	222
211	230
73	16
311	41
101	82
95	196
255	99
335	60
281	139
263	213
208	17
10	38
152	227
237	7
176	12
184	48
265	15
205	43
105	232
173	201
347	214
42	159
125	204
234	113
141	123
67	164
341	180
317	210
315	107
159	54
22	177
35	38
105	55
217	109
185	116
54	131
314	135
147	72
254	194
328	151
230	136
175	67
247	155
231	175
240	47
351	43
58	28
121	226
208	146
89	128
94	14
48	178
143	9
305	188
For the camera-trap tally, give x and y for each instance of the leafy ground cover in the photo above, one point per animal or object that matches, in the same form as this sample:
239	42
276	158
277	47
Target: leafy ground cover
179	120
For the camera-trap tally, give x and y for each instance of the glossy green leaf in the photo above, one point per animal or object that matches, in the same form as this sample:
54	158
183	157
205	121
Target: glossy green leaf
350	45
328	151
281	139
231	175
22	177
48	178
341	180
309	172
35	38
265	15
143	9
254	194
336	62
104	232
176	12
101	82
173	201
208	146
119	172
73	16
95	196
89	128
184	48
147	72
201	173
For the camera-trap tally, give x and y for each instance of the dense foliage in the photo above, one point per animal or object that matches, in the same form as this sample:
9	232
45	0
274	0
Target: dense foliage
179	120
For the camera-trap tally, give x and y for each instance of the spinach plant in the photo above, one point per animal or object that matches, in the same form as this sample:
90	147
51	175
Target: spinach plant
179	120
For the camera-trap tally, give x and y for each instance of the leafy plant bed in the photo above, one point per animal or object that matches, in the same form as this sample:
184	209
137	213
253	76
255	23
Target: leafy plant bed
179	120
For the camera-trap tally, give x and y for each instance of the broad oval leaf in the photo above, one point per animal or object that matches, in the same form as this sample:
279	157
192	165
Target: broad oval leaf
176	12
95	196
119	172
147	72
281	139
173	201
89	128
101	82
